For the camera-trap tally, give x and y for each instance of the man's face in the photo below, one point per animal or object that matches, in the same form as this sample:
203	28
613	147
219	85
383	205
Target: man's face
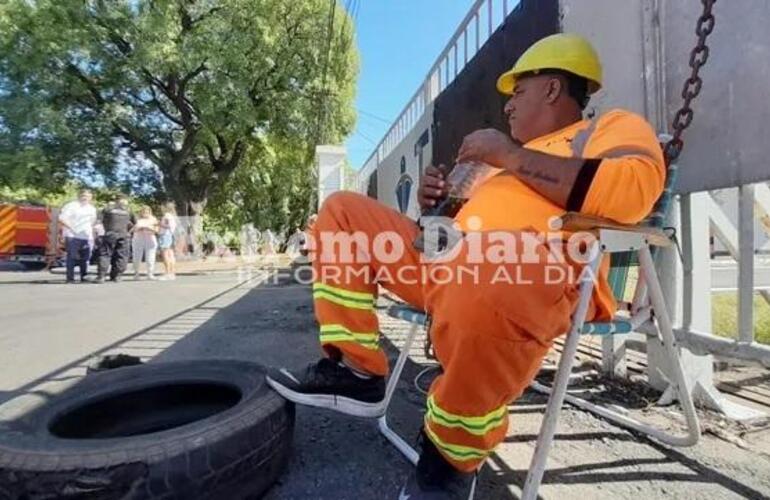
122	202
85	197
525	107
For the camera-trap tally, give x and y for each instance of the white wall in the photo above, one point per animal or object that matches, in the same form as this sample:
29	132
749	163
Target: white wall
330	161
389	169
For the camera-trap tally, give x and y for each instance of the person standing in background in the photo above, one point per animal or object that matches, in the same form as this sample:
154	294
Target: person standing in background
113	251
168	225
78	219
144	242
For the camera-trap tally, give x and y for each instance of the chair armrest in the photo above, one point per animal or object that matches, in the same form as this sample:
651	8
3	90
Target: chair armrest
576	222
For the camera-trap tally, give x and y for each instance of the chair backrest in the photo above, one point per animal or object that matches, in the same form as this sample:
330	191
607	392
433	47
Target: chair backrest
660	211
621	263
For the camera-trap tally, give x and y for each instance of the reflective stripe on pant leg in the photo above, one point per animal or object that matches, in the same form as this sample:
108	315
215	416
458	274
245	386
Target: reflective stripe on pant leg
487	338
465	440
478	425
347	276
339	333
349	325
463	457
345	298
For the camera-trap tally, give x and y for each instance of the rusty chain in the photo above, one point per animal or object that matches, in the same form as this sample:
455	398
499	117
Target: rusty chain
693	85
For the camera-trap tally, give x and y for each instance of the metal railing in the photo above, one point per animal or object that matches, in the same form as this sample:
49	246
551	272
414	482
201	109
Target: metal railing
753	205
483	19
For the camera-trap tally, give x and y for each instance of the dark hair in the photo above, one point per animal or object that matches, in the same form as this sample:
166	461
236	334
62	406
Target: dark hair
577	86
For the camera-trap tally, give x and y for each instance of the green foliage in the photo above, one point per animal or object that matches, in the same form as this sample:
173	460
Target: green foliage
272	190
181	98
36	196
725	316
65	193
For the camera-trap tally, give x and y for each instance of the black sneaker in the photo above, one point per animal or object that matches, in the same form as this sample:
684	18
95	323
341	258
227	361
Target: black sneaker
329	384
436	479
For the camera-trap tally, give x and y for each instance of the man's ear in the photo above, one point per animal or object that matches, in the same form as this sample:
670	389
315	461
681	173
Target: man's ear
553	90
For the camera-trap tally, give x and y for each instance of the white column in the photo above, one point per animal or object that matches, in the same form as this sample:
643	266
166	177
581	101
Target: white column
330	161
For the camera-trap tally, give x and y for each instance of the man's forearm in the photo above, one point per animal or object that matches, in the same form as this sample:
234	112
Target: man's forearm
553	177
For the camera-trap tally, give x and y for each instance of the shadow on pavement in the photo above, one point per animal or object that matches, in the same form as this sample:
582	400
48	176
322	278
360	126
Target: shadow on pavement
494	483
339	457
75	369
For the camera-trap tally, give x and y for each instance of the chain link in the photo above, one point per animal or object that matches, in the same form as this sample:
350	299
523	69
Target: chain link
693	85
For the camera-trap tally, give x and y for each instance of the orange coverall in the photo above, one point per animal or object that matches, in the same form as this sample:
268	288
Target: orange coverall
489	337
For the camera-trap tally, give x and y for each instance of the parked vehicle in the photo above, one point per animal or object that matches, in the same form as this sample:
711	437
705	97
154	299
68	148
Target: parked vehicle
29	234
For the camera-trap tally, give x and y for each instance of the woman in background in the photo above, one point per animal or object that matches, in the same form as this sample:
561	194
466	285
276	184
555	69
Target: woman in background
144	242
168	225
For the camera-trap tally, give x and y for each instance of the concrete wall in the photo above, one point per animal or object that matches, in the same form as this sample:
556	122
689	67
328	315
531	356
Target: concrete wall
390	179
363	176
727	144
615	30
645	47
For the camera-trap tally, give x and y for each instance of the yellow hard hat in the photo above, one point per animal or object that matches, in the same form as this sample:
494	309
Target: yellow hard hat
564	51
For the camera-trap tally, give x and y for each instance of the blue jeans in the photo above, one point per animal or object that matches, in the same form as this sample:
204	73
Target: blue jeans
78	253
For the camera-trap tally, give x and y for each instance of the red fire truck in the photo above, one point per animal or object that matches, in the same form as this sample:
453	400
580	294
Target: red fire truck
29	234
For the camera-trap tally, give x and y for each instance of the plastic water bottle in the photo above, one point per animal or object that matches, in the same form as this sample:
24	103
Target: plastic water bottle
464	179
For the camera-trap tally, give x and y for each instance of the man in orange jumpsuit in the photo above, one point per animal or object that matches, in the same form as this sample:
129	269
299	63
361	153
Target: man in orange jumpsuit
491	335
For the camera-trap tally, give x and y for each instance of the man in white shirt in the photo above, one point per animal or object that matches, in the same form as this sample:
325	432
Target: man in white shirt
77	219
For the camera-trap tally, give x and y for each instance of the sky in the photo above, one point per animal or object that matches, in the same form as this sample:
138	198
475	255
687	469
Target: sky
398	41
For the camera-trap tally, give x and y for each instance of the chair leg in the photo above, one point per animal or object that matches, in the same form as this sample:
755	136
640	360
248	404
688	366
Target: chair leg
382	421
680	382
396	440
669	341
555	402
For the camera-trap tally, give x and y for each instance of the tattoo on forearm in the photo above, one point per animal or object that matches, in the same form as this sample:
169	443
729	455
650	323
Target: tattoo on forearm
539	176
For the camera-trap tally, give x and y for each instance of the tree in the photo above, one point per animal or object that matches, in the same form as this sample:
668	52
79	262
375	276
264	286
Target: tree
272	190
169	95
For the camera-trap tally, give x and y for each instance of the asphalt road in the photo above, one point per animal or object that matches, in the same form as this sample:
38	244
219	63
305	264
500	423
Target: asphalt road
724	277
49	331
47	325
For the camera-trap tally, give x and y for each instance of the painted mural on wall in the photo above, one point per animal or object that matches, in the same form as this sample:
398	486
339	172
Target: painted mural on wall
403	188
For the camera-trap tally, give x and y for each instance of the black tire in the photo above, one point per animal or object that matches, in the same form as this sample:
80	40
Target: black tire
123	434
